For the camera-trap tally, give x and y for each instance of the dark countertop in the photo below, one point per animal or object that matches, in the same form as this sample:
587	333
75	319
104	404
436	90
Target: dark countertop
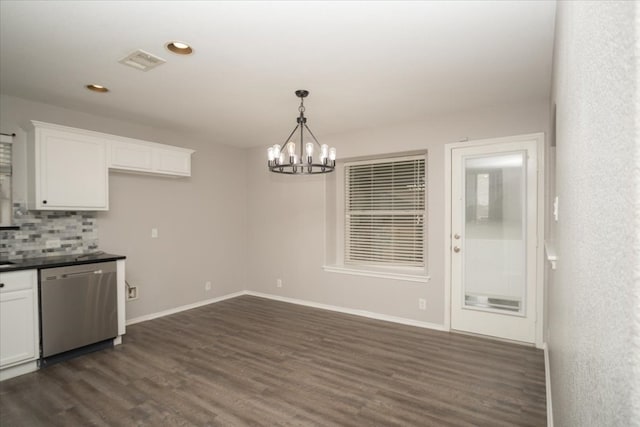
57	261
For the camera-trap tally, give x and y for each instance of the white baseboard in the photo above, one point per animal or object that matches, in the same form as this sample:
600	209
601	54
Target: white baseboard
355	312
182	308
547	382
18	370
361	313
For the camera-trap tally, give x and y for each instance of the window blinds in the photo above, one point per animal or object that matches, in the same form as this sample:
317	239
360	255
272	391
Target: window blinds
385	212
5	158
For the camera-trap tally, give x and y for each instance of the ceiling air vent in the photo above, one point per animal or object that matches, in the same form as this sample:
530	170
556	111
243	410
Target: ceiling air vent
141	60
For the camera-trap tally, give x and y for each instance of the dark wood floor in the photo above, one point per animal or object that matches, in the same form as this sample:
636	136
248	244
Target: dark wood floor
252	361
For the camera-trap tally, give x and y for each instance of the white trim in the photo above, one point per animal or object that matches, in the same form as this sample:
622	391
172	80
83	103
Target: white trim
542	208
547	382
17	370
376	273
121	296
447	236
361	313
182	308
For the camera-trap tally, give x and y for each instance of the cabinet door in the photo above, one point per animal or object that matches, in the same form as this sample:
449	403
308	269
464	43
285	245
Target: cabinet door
173	162
17	326
72	171
131	156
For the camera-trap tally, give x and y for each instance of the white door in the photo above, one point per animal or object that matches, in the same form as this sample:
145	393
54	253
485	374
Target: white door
494	191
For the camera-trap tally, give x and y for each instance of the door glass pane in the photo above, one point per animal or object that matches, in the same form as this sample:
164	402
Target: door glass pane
493	243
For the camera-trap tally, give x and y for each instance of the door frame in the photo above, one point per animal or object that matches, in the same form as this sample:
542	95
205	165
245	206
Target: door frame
539	270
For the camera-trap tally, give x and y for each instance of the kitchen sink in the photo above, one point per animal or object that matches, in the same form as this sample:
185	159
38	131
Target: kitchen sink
6	264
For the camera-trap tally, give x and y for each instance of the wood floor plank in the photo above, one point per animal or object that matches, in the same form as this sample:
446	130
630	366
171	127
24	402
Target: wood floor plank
252	361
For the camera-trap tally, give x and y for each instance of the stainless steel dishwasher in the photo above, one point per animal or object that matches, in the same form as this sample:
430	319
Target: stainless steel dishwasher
78	306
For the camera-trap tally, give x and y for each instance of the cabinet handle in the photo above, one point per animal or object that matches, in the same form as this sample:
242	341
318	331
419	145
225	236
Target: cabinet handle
44	202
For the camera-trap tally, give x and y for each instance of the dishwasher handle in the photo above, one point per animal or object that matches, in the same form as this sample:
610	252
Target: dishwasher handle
81	273
75	274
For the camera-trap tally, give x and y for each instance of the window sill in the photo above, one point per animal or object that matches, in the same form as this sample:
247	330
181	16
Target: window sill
379	273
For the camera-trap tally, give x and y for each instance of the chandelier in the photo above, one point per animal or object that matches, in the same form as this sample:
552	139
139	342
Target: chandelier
285	159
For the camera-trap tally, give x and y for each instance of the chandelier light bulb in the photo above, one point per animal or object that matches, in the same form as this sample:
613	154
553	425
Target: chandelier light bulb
291	147
309	149
324	151
281	158
276	151
270	154
332	154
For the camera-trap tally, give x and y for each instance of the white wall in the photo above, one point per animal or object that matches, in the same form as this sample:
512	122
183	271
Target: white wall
286	216
594	295
201	219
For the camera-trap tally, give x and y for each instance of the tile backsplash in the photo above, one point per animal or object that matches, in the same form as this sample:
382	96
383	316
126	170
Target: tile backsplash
65	232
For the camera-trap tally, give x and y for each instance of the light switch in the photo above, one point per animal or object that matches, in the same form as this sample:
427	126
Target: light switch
154	233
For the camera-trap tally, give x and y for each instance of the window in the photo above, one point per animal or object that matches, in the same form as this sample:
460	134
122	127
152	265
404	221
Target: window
6	213
385	212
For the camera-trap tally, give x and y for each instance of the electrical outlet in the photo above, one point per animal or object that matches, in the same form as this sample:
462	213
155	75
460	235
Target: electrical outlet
279	283
133	293
154	233
422	303
53	243
207	285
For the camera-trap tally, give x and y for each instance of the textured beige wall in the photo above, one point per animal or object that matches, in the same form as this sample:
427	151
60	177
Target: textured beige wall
201	220
286	215
594	295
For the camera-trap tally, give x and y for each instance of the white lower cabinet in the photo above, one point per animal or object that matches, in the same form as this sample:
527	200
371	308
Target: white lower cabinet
19	337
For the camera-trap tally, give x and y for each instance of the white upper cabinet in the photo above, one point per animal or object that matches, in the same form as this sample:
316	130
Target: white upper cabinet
67	169
130	156
148	157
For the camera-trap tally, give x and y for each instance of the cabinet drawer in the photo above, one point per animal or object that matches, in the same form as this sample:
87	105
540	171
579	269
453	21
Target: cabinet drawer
17	280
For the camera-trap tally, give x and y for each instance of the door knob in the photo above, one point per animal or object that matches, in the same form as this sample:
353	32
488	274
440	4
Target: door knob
456	249
456	236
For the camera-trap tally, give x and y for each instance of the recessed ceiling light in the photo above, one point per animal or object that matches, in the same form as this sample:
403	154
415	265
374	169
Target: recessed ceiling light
180	48
97	88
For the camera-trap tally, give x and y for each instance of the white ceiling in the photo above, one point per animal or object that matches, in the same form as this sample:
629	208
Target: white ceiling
365	63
